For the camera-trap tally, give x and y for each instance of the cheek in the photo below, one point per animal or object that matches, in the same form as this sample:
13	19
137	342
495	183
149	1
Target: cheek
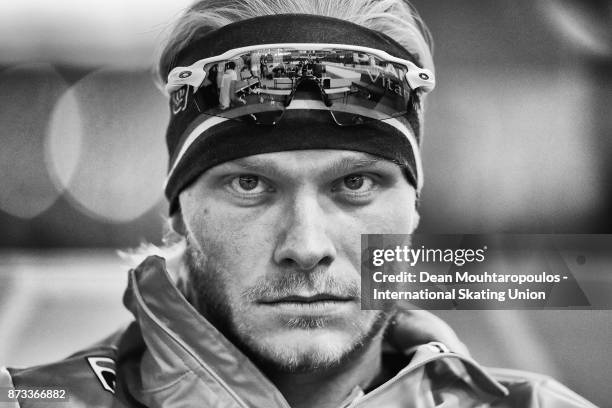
392	220
391	214
235	243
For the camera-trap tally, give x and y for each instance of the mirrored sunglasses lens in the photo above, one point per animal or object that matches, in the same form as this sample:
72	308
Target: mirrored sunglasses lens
260	85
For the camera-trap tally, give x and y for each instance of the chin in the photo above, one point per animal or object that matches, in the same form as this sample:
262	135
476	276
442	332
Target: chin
309	344
304	350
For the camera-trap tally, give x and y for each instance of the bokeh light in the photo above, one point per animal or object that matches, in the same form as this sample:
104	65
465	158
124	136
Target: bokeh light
27	189
106	144
520	159
91	33
63	142
585	24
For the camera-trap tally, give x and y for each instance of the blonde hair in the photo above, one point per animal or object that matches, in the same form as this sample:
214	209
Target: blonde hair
396	18
172	249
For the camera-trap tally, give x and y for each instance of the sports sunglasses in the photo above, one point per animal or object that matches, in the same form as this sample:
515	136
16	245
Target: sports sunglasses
260	83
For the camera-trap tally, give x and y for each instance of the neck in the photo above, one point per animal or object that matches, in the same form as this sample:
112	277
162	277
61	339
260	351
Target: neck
328	388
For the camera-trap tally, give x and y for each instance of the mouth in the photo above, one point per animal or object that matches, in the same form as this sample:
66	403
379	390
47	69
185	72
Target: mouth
307	299
320	304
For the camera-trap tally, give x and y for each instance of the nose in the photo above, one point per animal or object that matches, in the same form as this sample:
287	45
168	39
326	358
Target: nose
304	241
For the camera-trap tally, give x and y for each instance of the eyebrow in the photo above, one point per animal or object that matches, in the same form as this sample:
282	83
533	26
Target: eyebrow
340	166
348	164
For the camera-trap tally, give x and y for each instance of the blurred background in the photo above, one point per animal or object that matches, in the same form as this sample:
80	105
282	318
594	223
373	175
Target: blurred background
517	140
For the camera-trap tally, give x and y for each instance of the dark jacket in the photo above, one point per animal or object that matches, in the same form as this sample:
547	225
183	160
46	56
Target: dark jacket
171	356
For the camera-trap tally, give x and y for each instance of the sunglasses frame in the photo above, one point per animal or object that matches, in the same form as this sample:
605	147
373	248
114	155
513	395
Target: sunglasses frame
194	74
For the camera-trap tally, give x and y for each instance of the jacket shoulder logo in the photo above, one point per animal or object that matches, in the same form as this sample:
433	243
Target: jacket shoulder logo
104	368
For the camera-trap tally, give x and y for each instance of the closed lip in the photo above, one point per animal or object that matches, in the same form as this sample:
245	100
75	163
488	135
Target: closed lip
319	297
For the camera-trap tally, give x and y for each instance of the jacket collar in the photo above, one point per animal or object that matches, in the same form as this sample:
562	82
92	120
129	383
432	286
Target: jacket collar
188	361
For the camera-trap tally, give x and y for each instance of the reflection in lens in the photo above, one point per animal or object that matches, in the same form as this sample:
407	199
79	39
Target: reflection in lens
259	85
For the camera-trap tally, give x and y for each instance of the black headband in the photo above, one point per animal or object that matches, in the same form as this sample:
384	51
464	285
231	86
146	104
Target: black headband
231	140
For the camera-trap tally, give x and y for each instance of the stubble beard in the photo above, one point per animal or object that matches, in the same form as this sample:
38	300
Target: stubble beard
213	302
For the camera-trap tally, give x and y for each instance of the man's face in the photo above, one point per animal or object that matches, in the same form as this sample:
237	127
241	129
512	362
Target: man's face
274	250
